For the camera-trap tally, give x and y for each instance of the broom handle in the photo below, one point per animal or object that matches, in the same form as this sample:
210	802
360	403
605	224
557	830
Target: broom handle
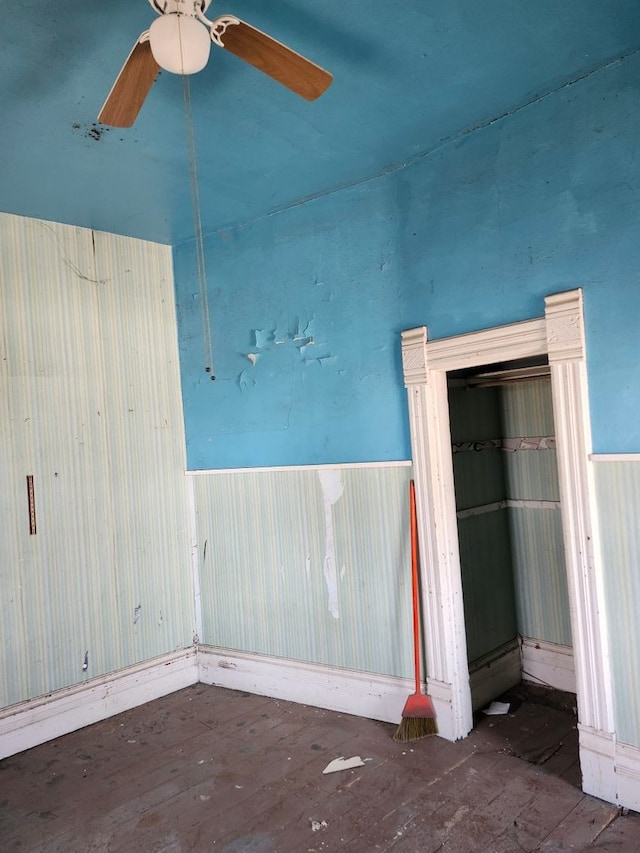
414	582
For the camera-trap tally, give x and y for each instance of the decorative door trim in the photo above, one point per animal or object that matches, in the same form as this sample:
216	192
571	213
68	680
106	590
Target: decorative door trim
559	335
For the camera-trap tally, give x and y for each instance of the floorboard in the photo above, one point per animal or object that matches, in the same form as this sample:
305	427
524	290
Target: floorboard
208	769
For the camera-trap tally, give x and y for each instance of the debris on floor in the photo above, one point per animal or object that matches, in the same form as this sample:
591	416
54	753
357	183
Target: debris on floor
497	708
257	788
343	764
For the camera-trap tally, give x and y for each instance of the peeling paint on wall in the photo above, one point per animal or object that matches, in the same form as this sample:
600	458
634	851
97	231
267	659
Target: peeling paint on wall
262	338
332	490
300	337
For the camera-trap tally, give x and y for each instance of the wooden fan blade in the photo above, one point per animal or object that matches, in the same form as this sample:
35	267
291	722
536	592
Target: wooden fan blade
299	74
131	87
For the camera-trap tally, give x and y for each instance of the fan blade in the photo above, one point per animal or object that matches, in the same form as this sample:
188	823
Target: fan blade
299	74
131	87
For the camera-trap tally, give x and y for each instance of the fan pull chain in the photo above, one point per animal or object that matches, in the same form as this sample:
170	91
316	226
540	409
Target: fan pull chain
197	228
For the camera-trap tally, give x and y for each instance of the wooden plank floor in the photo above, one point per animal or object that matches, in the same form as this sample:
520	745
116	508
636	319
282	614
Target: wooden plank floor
209	769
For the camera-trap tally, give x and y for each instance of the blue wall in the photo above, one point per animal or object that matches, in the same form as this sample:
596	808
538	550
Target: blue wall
313	294
543	200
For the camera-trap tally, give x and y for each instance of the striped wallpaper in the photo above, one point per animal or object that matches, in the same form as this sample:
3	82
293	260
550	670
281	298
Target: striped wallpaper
509	519
485	557
90	406
542	597
311	564
618	496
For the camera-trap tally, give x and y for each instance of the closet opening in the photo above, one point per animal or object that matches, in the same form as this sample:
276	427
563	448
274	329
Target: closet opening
430	367
509	522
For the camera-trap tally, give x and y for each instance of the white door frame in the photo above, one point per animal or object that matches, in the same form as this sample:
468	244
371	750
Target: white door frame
560	336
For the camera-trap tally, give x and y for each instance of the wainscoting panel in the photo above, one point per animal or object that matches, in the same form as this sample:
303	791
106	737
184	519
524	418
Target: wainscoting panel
310	564
618	490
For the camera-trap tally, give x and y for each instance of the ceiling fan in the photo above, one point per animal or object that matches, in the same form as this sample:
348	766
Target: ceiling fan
180	40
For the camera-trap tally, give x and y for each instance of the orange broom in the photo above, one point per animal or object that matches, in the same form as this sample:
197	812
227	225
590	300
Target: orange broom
418	715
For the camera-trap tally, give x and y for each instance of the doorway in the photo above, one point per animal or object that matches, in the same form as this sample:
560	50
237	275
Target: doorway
559	338
515	595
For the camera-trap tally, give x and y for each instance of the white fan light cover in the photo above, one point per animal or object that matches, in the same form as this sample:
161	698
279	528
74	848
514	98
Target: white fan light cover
179	43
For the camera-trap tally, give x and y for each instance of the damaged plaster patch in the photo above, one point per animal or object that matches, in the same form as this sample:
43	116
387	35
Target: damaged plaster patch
300	337
304	335
332	490
303	343
262	338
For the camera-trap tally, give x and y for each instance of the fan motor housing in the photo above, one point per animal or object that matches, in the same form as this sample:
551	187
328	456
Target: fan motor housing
180	7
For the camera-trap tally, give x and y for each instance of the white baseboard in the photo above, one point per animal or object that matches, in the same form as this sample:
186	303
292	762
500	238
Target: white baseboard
494	674
30	723
549	664
628	776
378	697
610	770
597	763
441	694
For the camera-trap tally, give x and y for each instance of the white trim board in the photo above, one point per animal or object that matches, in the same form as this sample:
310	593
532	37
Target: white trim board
203	472
614	457
363	694
494	674
627	759
34	722
559	336
30	723
549	664
377	697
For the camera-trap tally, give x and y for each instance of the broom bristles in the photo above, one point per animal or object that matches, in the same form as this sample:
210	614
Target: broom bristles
418	719
414	728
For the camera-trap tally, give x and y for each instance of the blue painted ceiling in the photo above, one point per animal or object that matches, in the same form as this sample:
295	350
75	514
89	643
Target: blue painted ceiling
408	76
